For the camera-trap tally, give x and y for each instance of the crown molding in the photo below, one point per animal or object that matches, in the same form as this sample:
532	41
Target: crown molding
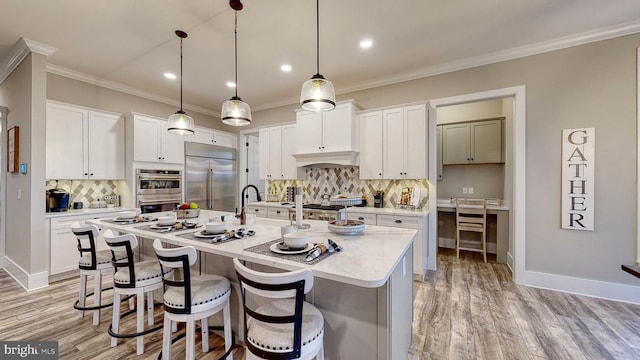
76	75
19	52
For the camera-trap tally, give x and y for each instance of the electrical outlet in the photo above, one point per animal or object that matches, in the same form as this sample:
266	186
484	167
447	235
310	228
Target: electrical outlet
465	190
470	191
424	192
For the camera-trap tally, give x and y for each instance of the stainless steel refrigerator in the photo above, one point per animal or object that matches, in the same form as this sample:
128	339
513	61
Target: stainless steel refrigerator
211	176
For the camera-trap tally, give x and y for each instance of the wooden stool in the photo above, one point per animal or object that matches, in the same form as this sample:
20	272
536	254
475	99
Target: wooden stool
471	215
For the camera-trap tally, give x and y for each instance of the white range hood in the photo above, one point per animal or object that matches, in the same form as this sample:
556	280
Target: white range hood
328	159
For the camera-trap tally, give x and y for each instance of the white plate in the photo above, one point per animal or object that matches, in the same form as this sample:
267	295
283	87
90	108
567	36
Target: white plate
276	249
205	235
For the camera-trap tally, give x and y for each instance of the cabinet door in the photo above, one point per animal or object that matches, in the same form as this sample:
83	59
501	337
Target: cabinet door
455	144
486	141
172	146
371	145
309	129
258	211
106	146
338	133
146	144
439	151
415	120
66	128
275	152
393	144
264	169
222	138
201	135
289	169
64	251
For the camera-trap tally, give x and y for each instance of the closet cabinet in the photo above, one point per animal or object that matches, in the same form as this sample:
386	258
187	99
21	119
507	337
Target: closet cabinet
209	136
404	142
330	131
83	144
472	142
371	152
153	143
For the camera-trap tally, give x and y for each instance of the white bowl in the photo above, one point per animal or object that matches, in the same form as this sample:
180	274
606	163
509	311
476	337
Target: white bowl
166	220
295	239
127	214
215	227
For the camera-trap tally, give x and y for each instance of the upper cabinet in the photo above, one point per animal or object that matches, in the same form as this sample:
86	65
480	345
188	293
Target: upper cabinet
153	143
83	143
276	146
330	131
472	142
209	136
371	152
404	142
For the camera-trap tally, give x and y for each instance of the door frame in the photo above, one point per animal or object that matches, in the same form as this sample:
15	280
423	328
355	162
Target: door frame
517	218
4	112
242	141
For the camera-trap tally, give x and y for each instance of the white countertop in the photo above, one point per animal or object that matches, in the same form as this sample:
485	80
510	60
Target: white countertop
87	211
447	205
360	209
368	258
269	204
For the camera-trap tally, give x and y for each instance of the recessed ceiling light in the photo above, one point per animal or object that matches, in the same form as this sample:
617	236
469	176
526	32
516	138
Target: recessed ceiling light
285	68
170	76
231	84
366	43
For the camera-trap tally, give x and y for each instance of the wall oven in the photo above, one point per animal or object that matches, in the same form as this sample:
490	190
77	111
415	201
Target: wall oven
158	190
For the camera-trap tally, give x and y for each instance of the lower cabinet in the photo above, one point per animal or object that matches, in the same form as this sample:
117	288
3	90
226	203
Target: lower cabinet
367	218
278	213
258	211
64	253
271	212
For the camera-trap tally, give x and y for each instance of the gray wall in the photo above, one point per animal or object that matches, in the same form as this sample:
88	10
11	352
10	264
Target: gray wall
487	181
592	85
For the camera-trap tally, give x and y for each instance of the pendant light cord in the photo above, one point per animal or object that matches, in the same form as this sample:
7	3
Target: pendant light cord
318	36
181	75
235	36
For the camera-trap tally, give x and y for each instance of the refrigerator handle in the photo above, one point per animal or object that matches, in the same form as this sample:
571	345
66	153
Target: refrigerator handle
210	196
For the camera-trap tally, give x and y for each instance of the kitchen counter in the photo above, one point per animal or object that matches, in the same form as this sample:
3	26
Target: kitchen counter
87	211
388	211
364	292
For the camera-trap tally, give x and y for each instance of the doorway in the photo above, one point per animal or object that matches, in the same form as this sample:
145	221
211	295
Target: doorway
252	155
3	181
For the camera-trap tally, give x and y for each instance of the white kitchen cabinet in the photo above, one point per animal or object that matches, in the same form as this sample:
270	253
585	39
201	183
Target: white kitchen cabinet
278	213
64	253
258	211
371	153
411	222
472	142
367	218
439	151
153	143
277	144
209	136
404	142
83	143
222	138
330	131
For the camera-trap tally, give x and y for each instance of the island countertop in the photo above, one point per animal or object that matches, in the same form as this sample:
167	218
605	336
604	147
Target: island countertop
368	259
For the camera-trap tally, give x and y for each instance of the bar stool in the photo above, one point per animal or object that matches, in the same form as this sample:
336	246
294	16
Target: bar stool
191	299
132	278
285	328
471	215
92	263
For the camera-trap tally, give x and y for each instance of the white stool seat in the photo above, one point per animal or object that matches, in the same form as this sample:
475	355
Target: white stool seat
103	259
275	337
145	272
205	290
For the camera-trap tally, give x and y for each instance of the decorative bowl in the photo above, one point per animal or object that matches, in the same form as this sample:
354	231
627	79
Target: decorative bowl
295	240
187	213
352	227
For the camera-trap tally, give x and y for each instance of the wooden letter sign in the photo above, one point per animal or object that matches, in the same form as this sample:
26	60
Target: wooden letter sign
578	165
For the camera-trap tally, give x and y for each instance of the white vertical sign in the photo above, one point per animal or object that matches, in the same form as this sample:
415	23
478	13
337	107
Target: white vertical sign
578	165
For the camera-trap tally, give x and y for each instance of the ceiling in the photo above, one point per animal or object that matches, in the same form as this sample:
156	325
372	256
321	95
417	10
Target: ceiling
132	43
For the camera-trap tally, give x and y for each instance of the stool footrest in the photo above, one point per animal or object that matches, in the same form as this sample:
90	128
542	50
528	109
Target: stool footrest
130	335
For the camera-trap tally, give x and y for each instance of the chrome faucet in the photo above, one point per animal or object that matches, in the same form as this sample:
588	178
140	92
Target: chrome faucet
243	214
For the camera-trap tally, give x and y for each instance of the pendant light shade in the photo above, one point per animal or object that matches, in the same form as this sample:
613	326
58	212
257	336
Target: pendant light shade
317	93
236	112
180	123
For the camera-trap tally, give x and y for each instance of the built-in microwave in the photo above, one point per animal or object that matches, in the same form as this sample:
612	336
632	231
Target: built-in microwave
158	190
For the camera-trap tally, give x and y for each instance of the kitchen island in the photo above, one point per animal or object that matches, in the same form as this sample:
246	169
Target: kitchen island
365	292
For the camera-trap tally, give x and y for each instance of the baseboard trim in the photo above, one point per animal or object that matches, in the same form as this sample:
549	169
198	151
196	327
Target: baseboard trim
580	286
492	248
28	281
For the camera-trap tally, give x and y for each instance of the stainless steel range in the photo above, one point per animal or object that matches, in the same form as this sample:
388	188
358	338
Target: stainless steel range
158	190
319	212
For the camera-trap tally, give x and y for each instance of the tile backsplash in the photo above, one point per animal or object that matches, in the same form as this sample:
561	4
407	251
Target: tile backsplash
346	180
85	191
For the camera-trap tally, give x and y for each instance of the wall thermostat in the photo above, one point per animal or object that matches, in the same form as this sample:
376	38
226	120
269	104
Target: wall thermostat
23	168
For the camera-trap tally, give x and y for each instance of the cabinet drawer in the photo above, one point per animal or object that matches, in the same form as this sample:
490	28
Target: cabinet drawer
278	213
409	222
66	221
258	211
369	219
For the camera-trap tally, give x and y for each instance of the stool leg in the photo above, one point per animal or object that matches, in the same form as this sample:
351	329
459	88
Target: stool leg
140	322
204	328
115	320
132	303
191	341
484	245
174	326
151	320
97	297
457	243
82	295
226	315
166	337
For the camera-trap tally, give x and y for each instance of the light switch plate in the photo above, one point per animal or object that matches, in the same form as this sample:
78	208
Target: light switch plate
465	190
470	191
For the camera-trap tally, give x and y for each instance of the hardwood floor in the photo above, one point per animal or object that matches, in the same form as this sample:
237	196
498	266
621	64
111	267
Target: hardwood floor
466	310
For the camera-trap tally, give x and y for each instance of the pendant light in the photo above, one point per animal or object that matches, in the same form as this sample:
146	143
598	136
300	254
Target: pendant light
236	112
180	123
317	93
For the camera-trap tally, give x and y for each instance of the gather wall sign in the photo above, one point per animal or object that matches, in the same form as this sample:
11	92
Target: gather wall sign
578	165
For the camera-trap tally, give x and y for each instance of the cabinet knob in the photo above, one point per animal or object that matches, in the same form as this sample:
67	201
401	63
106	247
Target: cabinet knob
256	210
278	212
91	174
85	174
398	221
360	218
319	147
